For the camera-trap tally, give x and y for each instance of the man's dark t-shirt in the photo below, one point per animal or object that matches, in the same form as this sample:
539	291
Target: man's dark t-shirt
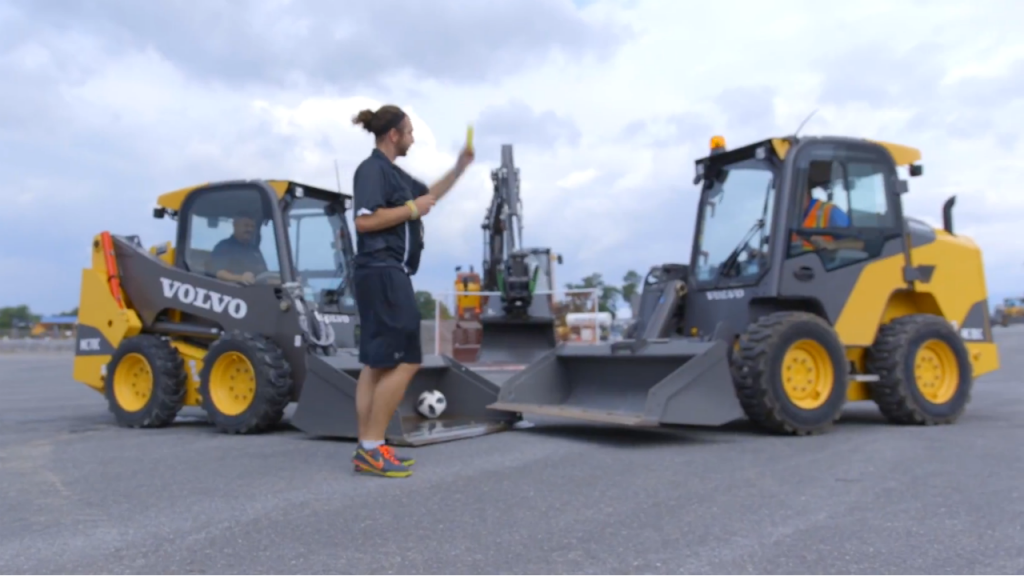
379	183
237	257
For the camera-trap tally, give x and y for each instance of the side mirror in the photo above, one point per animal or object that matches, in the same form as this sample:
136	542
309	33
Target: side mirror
916	170
159	212
559	258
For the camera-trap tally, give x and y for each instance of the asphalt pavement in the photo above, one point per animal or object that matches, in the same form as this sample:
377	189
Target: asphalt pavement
80	495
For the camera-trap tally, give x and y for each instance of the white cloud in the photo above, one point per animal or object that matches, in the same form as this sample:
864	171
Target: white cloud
577	179
609	203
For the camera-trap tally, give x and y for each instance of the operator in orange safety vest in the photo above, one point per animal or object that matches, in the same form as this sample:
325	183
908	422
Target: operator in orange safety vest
818	214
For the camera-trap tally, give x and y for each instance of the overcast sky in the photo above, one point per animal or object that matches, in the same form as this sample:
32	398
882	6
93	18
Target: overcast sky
108	103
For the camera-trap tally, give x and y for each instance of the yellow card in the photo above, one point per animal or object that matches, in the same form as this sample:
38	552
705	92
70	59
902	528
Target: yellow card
469	137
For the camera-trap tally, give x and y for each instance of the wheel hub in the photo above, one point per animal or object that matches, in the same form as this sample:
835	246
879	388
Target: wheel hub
232	383
807	374
133	382
935	371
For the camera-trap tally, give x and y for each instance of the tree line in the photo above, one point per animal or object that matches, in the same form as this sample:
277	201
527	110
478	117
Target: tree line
23	317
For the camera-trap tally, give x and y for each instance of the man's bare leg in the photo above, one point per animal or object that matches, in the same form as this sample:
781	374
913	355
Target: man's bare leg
386	397
365	386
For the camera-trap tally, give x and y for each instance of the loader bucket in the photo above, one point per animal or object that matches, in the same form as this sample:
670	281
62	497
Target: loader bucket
630	383
518	342
326	405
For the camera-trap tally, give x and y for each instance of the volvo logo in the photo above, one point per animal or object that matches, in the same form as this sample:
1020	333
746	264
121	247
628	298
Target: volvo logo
731	294
203	298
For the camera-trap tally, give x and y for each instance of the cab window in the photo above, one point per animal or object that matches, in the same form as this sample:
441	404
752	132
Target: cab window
844	212
230	230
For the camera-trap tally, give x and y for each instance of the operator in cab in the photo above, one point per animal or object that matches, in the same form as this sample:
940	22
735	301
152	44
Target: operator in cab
819	214
237	258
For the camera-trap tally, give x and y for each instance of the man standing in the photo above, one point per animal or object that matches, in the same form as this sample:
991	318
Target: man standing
389	239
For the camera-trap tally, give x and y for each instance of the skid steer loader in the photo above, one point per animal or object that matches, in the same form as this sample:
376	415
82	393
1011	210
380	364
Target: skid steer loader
249	310
1011	311
807	288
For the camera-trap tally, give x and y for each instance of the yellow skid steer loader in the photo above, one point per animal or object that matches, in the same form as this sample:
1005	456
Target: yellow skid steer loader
807	288
250	309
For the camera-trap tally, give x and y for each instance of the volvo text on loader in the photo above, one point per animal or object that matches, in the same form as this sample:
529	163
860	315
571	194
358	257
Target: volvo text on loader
249	310
781	317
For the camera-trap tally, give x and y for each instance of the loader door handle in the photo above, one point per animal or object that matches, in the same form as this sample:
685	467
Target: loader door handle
804	273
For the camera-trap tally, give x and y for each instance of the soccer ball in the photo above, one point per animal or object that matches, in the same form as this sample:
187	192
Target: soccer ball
431	403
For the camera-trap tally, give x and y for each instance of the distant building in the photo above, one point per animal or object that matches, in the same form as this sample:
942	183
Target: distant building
55	326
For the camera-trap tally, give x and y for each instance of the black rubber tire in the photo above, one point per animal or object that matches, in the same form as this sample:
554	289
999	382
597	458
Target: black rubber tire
169	378
757	373
892	359
273	383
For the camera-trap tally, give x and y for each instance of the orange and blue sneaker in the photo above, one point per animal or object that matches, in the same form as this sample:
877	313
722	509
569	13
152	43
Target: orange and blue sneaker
405	460
380	461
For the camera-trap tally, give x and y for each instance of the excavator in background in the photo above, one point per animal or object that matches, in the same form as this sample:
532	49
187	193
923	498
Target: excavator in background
807	288
518	325
175	326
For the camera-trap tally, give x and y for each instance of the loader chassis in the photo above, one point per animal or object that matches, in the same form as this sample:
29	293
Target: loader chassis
159	330
717	336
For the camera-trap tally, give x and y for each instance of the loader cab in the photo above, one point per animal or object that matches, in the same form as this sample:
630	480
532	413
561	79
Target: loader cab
268	233
735	216
789	223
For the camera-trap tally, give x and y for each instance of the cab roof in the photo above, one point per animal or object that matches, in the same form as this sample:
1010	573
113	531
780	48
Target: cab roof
173	200
902	155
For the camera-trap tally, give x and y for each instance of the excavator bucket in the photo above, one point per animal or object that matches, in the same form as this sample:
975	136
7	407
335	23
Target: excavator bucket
630	383
512	341
327	408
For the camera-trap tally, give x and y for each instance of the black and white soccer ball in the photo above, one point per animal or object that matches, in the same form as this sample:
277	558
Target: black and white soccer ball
431	404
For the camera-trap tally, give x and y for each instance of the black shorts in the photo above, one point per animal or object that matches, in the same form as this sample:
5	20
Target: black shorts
389	316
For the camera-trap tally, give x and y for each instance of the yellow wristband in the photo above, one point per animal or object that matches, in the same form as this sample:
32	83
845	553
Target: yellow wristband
415	211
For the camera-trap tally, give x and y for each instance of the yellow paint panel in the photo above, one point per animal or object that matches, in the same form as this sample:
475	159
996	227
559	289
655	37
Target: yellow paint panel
174	200
89	371
858	391
279	186
858	322
167	256
193	357
98	308
959	279
901	155
957	284
984	357
781	147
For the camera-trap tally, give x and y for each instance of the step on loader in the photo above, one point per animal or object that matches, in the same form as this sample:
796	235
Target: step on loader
249	310
808	288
